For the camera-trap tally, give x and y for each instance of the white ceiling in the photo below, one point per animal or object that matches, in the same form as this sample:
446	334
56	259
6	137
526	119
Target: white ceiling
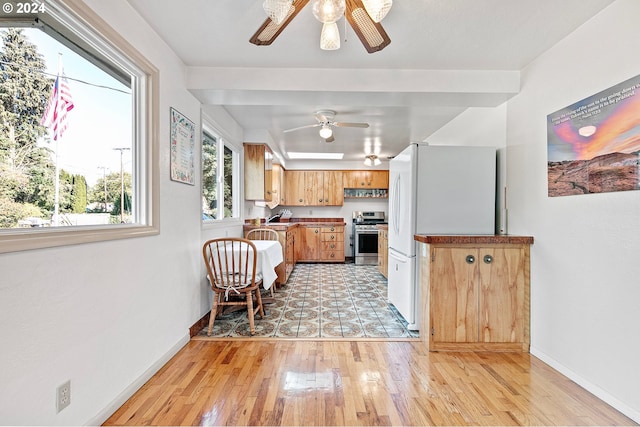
444	56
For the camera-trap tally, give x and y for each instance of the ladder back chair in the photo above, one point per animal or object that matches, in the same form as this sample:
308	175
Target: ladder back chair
262	234
231	271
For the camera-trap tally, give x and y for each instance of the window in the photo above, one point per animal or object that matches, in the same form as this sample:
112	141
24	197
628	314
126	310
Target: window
219	188
77	167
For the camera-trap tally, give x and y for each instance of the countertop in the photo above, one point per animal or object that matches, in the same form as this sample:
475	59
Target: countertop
296	222
484	239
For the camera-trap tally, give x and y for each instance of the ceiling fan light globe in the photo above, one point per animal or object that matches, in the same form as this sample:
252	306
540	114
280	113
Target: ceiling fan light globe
325	132
277	10
328	11
377	161
330	37
367	161
377	9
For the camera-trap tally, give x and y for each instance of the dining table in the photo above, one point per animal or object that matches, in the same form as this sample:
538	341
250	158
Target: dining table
269	256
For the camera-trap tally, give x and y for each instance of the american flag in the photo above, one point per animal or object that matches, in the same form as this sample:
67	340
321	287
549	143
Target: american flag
60	103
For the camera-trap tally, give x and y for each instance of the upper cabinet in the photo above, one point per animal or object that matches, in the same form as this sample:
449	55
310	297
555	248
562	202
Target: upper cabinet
369	179
277	186
313	188
258	172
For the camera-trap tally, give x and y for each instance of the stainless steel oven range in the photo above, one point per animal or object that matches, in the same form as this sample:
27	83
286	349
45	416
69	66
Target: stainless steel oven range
365	236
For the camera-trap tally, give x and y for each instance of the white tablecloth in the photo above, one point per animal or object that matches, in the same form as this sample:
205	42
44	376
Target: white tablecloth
269	257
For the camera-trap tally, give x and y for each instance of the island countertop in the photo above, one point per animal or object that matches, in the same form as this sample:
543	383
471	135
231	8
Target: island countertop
479	239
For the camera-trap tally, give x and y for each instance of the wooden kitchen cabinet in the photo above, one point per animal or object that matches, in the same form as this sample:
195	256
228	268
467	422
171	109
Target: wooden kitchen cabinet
320	243
313	188
258	170
475	294
373	179
277	186
383	250
294	192
332	244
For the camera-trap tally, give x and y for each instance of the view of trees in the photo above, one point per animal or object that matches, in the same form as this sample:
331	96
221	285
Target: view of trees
27	161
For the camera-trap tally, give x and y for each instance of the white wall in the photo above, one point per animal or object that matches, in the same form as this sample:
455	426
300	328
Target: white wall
481	127
585	318
105	315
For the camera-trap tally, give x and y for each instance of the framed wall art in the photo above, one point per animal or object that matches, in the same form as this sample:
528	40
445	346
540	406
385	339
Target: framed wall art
593	144
183	140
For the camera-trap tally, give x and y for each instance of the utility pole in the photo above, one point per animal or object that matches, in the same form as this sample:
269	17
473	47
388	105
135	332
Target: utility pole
121	183
104	179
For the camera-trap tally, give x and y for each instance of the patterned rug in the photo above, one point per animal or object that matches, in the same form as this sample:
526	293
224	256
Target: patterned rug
323	301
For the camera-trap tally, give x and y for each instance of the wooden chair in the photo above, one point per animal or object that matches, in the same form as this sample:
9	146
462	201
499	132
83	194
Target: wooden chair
264	234
231	270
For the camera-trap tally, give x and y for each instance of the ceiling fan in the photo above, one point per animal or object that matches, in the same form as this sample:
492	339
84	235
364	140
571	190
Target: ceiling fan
370	32
325	121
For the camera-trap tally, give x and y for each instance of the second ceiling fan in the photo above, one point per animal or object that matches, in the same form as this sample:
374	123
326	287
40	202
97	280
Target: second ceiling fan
370	32
325	120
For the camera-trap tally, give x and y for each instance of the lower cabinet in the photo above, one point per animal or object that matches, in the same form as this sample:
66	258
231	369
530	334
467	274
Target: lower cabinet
383	251
475	296
320	243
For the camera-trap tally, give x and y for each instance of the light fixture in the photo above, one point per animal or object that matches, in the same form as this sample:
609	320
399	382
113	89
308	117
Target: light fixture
377	9
372	160
330	37
325	131
277	10
328	11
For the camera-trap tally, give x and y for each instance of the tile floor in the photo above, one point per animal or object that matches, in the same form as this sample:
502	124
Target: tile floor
323	301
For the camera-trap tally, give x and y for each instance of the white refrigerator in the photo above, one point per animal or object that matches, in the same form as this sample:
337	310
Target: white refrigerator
434	189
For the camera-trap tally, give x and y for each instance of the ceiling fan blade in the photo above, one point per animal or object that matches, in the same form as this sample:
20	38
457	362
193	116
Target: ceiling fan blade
301	127
370	33
350	125
269	30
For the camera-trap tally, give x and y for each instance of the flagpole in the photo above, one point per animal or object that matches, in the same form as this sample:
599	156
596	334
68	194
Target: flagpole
56	199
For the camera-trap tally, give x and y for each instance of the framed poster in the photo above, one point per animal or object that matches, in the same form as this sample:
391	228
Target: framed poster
593	145
183	140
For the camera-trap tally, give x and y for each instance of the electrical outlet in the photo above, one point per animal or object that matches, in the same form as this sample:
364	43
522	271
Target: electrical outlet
63	396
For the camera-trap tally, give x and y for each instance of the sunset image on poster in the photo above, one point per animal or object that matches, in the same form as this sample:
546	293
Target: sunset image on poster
593	145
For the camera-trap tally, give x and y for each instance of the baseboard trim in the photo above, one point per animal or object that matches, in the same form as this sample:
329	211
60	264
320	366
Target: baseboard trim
587	385
116	403
199	325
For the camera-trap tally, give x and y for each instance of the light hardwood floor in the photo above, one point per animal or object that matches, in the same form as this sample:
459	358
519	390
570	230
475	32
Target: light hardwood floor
335	383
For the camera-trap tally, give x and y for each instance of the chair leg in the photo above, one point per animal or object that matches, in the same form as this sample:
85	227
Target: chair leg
214	313
252	327
260	306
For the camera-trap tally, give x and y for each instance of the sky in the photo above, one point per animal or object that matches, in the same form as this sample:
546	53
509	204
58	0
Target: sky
100	120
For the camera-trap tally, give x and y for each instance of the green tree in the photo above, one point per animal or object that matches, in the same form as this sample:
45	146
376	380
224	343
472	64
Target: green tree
96	192
26	170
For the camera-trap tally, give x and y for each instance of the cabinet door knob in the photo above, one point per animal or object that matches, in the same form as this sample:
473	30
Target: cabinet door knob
320	200
316	231
488	259
470	259
333	237
300	200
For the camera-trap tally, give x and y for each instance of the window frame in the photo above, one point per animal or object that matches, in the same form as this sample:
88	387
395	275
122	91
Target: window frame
77	23
222	142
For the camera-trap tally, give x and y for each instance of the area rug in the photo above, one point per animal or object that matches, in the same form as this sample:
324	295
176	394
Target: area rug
323	301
